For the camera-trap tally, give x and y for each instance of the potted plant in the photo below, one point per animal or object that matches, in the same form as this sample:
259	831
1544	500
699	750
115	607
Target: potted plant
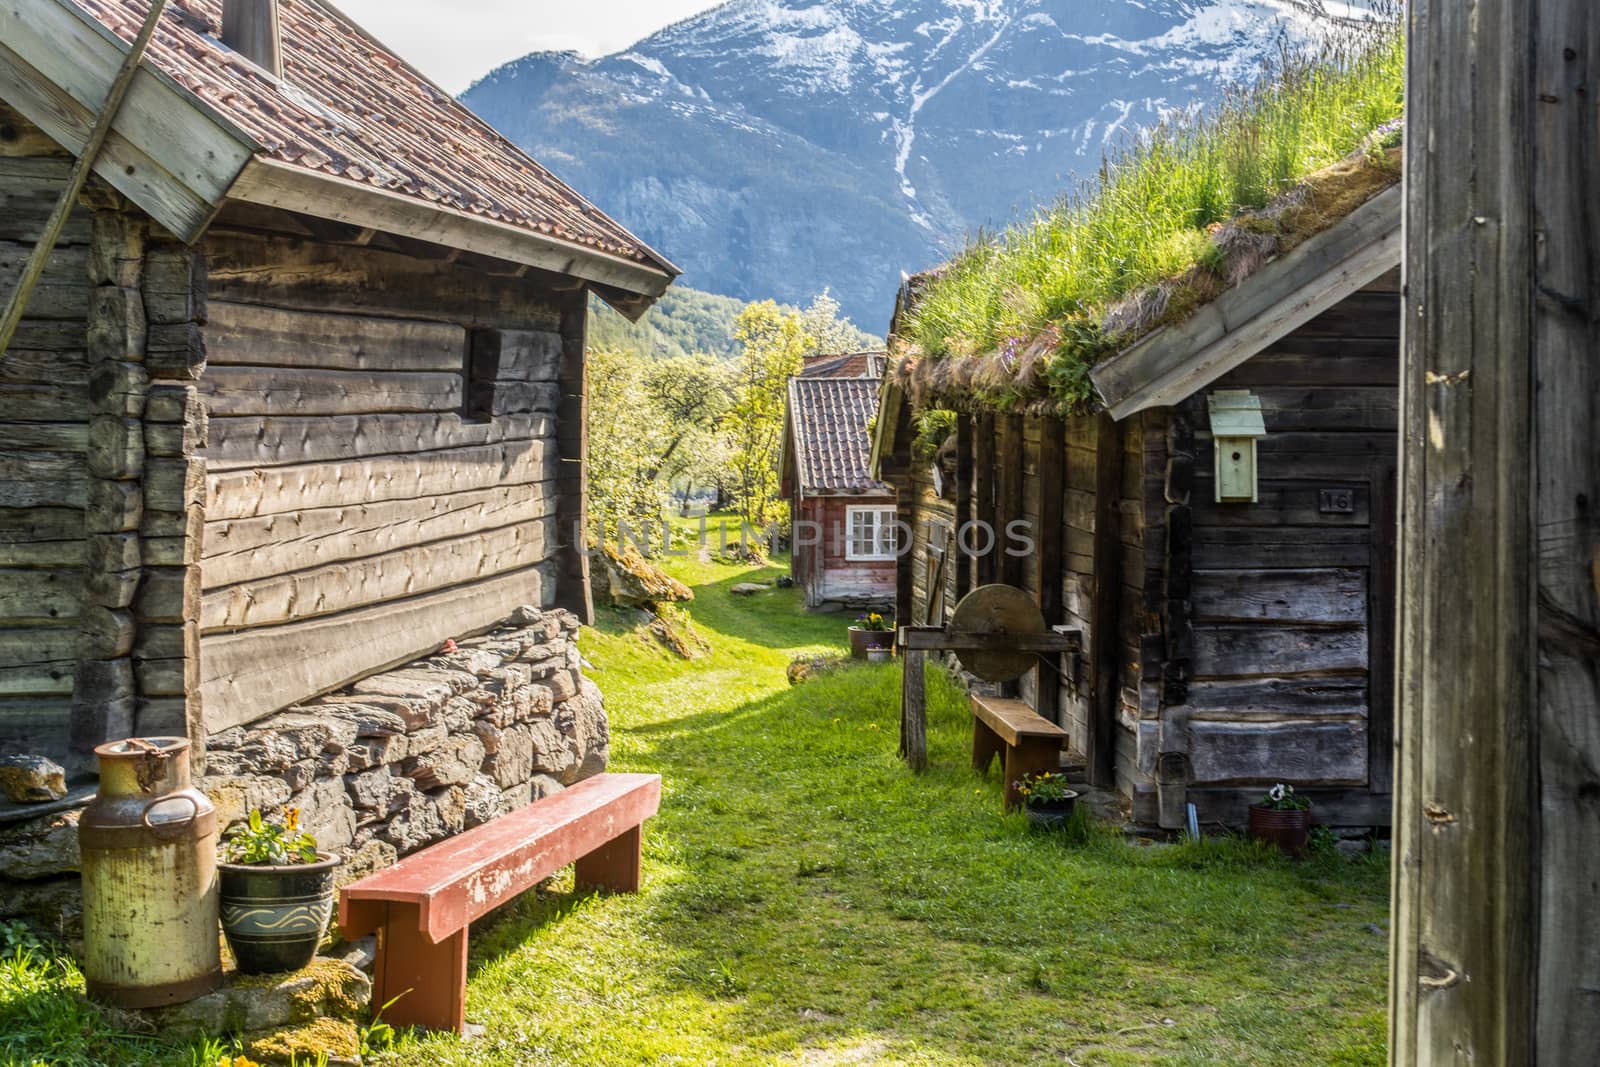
276	894
1282	818
870	631
1047	799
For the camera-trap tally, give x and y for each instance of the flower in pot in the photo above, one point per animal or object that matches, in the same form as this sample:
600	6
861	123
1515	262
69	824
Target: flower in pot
276	894
871	630
1047	799
1282	818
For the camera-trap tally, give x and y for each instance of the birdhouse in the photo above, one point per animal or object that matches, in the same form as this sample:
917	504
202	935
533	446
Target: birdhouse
1236	425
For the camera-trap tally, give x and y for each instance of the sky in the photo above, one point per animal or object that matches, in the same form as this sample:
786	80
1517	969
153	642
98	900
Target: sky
456	42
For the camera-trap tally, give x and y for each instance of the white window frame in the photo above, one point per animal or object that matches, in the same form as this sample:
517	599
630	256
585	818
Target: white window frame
884	525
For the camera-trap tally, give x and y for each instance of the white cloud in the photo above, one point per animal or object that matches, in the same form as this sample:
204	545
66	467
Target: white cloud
458	42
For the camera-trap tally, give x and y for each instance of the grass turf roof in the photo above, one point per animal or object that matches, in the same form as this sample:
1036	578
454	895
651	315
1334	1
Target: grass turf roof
1169	222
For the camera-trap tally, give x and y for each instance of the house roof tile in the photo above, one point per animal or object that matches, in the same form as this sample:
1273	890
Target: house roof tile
831	446
348	107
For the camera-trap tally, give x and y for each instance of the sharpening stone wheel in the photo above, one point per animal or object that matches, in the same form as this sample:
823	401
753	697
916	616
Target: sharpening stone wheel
997	609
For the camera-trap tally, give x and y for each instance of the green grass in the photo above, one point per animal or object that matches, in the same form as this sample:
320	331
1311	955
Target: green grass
809	901
1143	218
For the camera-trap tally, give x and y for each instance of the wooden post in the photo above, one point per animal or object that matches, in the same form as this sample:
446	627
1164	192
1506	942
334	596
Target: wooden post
1008	495
1048	541
1105	639
914	709
573	590
1496	938
983	504
964	511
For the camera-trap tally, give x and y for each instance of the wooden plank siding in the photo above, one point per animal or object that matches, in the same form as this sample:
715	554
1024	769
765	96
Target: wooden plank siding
1282	605
387	460
44	439
823	569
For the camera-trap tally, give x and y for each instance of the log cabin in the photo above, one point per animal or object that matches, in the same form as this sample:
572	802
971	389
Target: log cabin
844	539
301	394
1219	524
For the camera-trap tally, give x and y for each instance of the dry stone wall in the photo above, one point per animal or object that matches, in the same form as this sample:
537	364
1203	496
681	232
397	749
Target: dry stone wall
408	757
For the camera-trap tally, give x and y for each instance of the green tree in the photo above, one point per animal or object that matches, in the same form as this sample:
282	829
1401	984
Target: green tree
689	394
624	443
773	343
830	332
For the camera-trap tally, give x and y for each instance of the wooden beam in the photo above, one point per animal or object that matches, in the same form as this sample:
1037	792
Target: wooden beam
1008	495
168	152
275	184
1495	945
1177	360
247	675
942	639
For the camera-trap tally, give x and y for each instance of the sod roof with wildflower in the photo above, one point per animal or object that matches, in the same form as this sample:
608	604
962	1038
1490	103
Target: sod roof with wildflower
1171	221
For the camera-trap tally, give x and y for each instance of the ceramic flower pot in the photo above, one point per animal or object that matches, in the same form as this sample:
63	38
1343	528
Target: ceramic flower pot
1052	815
1287	830
274	917
861	640
880	655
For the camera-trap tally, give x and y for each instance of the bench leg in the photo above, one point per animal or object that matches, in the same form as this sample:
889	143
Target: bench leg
986	744
614	866
430	979
1028	758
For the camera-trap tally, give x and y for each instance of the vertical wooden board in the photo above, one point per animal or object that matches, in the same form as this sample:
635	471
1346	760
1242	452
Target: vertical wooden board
1008	503
964	501
1566	521
984	495
1465	941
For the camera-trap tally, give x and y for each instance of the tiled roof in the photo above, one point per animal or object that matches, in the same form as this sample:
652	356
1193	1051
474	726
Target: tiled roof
350	108
828	418
847	365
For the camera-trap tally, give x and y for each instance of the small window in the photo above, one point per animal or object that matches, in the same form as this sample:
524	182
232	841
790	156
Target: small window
871	535
482	373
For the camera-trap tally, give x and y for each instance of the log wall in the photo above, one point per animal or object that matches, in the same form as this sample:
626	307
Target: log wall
44	439
383	469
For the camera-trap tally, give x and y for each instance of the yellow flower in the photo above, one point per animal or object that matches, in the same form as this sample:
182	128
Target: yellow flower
291	818
237	1061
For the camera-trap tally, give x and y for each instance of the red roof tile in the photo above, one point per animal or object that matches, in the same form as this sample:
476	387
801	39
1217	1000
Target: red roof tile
831	446
349	108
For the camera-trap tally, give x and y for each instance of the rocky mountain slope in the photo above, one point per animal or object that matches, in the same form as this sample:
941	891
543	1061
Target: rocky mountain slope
777	147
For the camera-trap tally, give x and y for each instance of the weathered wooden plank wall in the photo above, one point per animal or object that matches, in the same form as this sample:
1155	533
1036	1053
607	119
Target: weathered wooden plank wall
823	569
1276	616
1496	937
44	438
383	438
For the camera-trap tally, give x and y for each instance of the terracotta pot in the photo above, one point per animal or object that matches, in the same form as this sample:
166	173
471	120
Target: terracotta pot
274	917
861	640
1051	816
1288	830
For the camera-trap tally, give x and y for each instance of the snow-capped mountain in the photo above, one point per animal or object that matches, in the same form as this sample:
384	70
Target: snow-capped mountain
777	147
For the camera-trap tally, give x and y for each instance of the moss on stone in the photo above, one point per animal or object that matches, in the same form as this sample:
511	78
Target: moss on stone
337	1039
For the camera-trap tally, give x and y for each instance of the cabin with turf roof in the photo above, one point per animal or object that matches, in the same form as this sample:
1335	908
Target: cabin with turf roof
300	398
844	518
1218	521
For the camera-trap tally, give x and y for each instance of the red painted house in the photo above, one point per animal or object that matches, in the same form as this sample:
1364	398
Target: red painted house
844	532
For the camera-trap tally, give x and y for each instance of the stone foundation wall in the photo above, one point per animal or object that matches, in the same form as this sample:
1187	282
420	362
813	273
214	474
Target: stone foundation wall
405	758
385	767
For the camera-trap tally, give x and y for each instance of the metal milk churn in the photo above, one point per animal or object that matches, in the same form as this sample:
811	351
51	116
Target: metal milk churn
149	845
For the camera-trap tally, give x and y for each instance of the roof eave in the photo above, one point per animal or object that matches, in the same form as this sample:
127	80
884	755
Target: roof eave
271	183
1185	357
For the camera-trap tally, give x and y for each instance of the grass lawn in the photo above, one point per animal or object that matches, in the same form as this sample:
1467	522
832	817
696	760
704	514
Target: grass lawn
809	901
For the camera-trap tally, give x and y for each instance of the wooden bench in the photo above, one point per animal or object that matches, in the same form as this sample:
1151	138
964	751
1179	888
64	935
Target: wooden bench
1031	744
421	907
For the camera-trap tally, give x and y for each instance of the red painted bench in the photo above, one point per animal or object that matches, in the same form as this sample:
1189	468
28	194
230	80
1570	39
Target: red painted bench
421	907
